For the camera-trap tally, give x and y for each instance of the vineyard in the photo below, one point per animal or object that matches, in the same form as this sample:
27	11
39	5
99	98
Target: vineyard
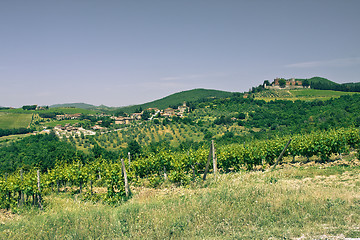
105	179
299	94
148	133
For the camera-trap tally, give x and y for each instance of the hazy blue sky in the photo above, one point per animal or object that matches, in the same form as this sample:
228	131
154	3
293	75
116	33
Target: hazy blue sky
128	52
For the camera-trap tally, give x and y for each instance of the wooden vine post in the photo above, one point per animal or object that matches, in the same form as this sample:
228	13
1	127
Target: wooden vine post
165	175
80	182
214	158
57	186
39	190
125	178
282	153
91	187
212	154
8	193
192	166
129	157
21	202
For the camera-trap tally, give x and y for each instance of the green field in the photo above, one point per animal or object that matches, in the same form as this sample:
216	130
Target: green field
14	120
314	93
62	122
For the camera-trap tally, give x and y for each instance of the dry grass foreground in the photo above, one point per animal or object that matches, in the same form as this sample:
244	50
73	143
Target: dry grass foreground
314	202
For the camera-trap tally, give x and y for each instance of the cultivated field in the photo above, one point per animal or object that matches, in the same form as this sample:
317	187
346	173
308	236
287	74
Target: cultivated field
300	94
14	120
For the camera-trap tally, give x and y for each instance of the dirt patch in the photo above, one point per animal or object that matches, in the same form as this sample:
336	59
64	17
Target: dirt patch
6	216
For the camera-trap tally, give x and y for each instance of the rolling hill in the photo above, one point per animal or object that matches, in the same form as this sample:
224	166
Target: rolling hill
73	105
326	84
179	98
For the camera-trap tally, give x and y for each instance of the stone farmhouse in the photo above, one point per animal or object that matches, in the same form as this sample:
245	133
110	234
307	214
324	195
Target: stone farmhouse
290	84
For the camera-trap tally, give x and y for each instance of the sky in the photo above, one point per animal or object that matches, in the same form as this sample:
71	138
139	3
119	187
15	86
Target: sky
126	52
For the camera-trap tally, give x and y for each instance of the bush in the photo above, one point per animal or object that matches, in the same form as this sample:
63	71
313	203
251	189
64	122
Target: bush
179	178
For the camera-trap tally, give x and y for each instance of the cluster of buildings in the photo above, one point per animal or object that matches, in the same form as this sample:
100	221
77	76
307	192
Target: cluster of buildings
68	130
68	116
155	112
289	84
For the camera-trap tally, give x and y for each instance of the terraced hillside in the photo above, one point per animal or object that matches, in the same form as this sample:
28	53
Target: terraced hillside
300	94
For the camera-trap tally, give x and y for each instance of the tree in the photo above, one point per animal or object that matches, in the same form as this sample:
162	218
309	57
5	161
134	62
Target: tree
306	83
138	110
241	116
146	115
29	107
134	148
282	83
120	113
266	83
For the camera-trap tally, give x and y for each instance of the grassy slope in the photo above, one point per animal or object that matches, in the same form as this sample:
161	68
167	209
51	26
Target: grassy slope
310	202
179	98
14	120
314	93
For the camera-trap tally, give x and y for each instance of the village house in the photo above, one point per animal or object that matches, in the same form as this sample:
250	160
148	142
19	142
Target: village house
182	109
41	107
123	120
60	117
168	112
97	127
137	116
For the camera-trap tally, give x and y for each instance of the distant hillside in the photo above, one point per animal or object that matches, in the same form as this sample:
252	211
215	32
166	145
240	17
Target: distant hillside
73	105
178	98
326	84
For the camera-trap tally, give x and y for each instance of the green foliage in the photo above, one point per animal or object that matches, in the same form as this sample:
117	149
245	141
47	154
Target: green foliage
306	83
134	148
146	115
181	166
223	120
42	151
7	132
29	107
325	84
282	83
241	116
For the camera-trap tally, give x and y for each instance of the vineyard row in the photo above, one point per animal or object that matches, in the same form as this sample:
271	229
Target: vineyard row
177	167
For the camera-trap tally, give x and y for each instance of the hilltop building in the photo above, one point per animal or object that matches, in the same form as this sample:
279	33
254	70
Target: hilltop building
289	84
